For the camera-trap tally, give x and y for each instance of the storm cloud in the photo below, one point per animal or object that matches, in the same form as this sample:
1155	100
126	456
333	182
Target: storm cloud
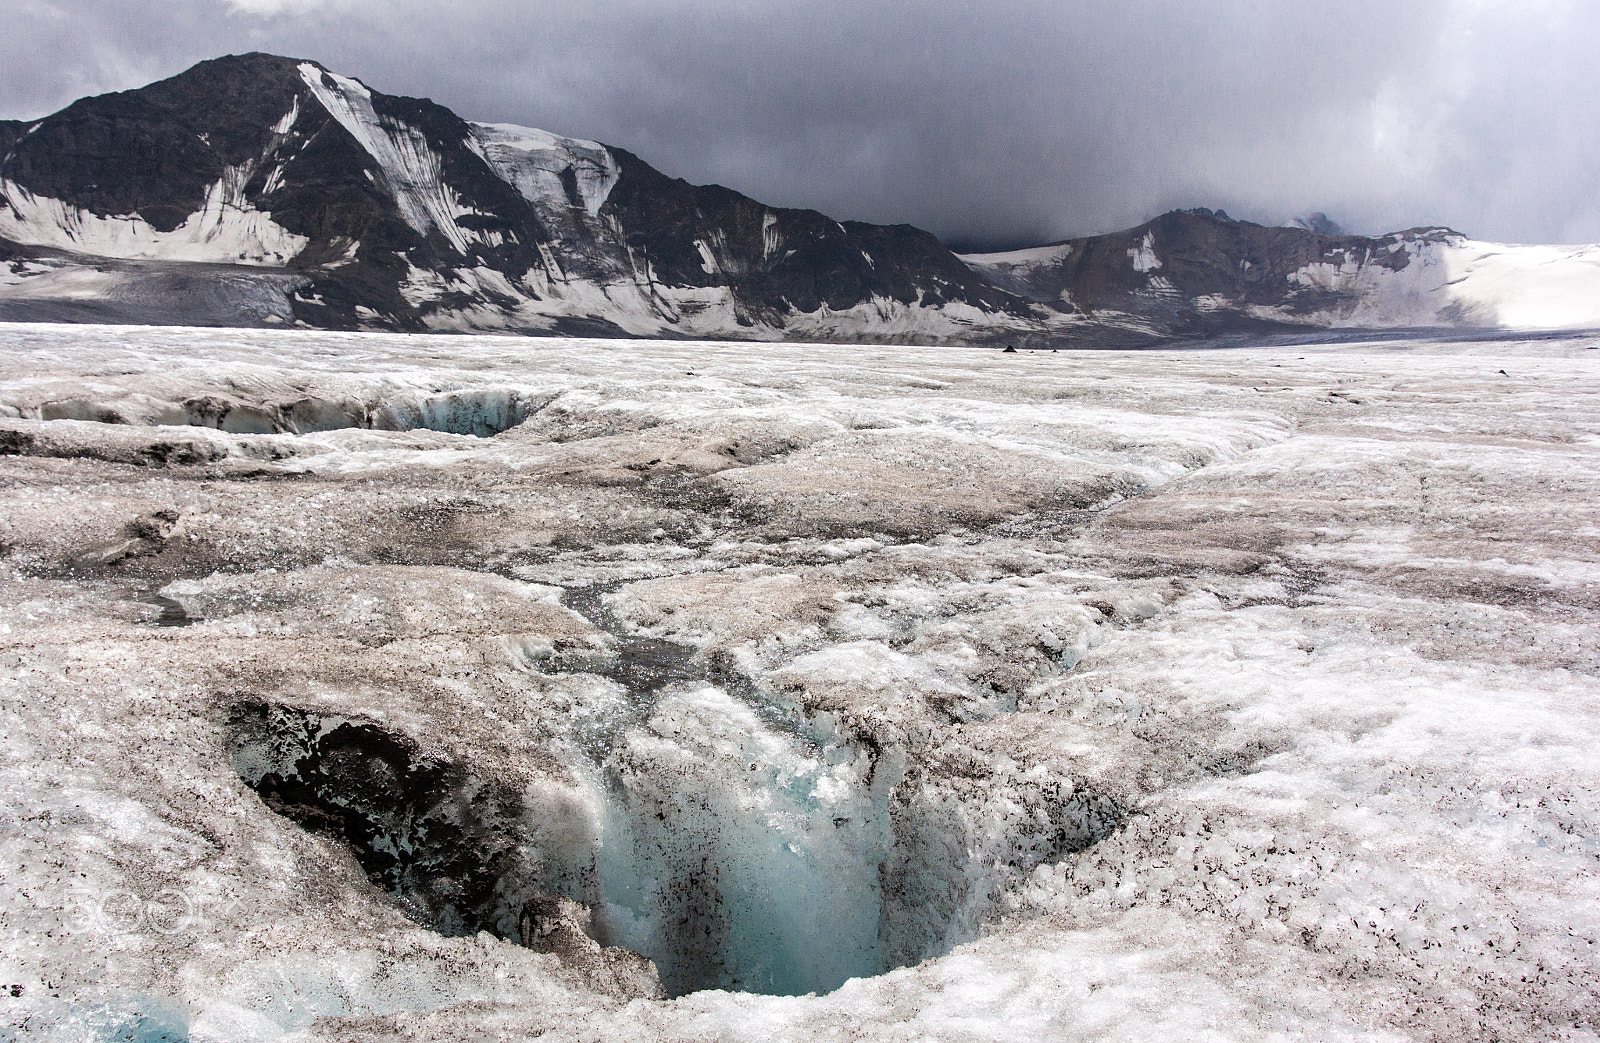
991	125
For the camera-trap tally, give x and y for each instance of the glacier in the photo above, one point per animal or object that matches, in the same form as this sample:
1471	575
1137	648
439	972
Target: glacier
532	161
361	685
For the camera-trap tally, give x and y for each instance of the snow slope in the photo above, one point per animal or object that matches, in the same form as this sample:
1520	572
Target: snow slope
532	161
225	229
1231	694
1460	281
410	168
1026	257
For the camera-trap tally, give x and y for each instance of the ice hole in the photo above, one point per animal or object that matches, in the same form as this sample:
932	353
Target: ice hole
484	412
737	850
749	848
737	846
480	412
737	858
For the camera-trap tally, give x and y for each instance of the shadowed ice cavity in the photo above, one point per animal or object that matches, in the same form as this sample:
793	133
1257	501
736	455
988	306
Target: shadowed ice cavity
172	612
482	412
737	850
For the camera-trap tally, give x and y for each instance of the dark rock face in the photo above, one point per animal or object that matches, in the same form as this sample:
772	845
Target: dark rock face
155	151
404	216
778	259
10	132
1204	253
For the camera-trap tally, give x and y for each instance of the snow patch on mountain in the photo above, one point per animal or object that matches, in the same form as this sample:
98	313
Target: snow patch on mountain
1319	223
1144	255
887	317
533	162
640	307
708	260
771	237
1034	255
284	125
225	229
544	297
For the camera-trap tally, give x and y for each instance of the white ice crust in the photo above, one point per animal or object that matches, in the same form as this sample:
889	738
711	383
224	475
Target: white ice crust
1012	258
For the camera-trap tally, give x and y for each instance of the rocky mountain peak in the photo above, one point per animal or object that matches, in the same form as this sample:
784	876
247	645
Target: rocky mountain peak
1317	222
396	213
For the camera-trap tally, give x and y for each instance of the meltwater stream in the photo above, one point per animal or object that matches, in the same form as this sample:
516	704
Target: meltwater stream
736	851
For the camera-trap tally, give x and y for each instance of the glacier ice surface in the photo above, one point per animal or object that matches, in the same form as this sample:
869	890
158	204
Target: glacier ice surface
913	692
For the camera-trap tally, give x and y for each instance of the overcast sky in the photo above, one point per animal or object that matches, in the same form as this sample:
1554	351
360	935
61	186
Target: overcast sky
993	124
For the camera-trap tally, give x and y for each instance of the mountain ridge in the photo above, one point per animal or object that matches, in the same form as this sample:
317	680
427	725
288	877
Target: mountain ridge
317	201
1200	272
399	214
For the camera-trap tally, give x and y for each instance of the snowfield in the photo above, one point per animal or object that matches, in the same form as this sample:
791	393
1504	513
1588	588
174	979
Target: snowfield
357	686
1456	280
